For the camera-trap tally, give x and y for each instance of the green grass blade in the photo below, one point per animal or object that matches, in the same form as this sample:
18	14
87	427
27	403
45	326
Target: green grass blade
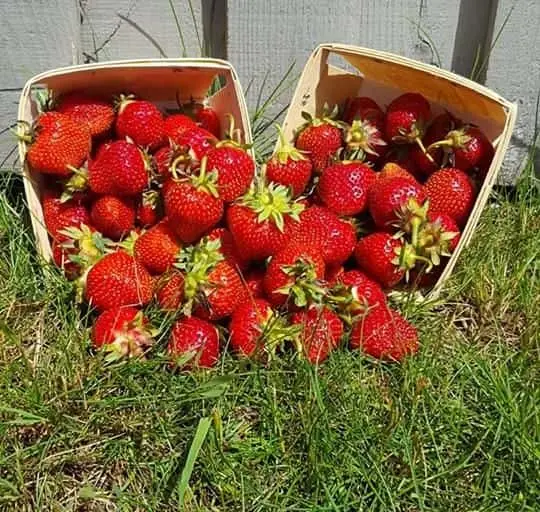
179	29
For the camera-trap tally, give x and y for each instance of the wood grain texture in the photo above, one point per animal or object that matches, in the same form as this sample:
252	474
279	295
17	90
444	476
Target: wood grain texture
36	35
514	72
105	36
267	36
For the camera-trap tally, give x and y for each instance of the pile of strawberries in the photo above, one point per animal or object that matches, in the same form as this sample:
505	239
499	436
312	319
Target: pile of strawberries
145	209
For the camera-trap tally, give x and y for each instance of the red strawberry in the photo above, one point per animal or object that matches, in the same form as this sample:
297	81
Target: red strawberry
385	334
322	227
321	332
97	114
289	167
377	254
141	121
250	327
58	145
118	280
148	210
333	274
170	291
157	248
406	118
343	187
206	117
390	196
176	125
212	283
122	331
402	155
163	159
253	281
193	343
198	141
321	139
119	168
261	222
234	167
362	108
113	216
451	192
192	206
393	169
228	248
295	274
438	237
60	215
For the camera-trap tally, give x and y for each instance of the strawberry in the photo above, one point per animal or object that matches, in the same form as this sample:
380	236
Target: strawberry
321	139
118	280
335	237
122	331
113	216
261	221
234	167
157	248
60	215
253	282
162	160
176	125
451	192
211	283
391	196
333	274
58	144
140	121
289	167
295	274
402	155
321	332
362	108
406	118
170	291
385	334
343	187
438	237
378	255
120	168
206	117
192	205
193	343
148	210
198	141
393	169
97	114
228	248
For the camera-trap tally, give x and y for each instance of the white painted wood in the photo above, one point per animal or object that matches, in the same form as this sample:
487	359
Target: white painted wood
105	33
269	35
514	72
9	101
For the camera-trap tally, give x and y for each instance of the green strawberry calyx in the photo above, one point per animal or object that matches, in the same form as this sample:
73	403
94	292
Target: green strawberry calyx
407	257
304	287
77	182
412	216
122	101
327	117
205	181
233	136
433	241
287	151
455	139
274	333
361	138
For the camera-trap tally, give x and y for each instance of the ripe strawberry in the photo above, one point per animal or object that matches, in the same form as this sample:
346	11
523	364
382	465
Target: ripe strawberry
141	121
193	343
385	334
198	141
148	210
157	248
343	187
118	280
122	331
321	139
333	274
228	248
406	119
438	237
321	332
378	255
170	291
426	276
206	117
212	283
295	274
451	192
392	169
60	215
289	167
390	196
162	160
113	216
58	144
253	282
97	114
234	167
261	221
402	155
119	168
193	206
362	108
335	237
176	125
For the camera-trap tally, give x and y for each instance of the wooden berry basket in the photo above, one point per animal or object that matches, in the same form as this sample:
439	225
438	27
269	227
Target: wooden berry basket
159	80
384	76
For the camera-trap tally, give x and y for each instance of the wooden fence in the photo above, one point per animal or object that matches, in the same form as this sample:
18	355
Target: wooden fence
263	37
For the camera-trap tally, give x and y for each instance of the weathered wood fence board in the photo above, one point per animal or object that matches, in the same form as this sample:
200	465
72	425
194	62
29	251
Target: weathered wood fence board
262	38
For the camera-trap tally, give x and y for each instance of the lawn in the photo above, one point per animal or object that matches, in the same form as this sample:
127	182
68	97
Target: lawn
456	428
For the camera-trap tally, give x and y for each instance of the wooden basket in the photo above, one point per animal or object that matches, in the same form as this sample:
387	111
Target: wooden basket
384	76
159	80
